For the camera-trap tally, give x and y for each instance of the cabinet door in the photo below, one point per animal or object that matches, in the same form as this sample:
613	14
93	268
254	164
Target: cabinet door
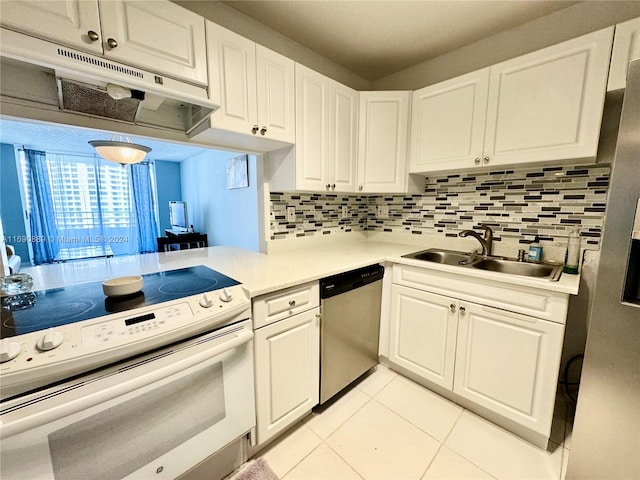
382	141
422	336
547	105
159	35
343	139
67	22
626	47
287	371
509	363
312	129
276	100
232	77
447	123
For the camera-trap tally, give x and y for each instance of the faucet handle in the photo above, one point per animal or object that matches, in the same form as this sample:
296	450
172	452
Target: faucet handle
488	233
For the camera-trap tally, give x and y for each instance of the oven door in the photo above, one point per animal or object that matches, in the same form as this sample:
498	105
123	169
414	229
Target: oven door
153	417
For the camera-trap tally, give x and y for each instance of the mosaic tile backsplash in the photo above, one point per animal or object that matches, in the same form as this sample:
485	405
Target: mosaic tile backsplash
518	204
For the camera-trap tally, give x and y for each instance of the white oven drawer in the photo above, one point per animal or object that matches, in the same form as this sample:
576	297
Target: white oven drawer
154	417
275	306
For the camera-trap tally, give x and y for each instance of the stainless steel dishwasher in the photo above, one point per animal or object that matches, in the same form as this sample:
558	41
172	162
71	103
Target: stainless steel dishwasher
350	327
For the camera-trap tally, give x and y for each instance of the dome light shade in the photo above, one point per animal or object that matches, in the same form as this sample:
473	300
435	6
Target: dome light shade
123	152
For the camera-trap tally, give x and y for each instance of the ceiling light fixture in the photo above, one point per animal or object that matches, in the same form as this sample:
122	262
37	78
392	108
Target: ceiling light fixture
120	151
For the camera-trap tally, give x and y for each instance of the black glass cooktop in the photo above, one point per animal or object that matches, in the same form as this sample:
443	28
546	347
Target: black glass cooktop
61	306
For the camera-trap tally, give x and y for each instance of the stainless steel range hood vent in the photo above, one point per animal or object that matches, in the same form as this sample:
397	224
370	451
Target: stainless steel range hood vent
45	77
79	98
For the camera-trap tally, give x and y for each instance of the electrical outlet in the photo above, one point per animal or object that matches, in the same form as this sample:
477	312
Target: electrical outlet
382	211
291	214
345	212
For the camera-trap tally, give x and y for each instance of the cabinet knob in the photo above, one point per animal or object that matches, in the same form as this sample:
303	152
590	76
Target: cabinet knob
254	130
112	42
263	130
292	303
360	188
93	36
462	310
486	159
327	186
452	307
333	186
477	161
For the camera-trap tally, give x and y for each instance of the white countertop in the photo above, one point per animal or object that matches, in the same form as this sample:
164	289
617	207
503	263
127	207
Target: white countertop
261	273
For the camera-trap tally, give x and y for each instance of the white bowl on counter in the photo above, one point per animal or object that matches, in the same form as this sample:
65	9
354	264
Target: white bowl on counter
121	286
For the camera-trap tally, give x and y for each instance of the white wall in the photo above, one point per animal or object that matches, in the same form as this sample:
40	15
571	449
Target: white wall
228	217
573	21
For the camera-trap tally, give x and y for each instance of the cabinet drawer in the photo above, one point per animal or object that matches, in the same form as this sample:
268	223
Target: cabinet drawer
543	304
284	303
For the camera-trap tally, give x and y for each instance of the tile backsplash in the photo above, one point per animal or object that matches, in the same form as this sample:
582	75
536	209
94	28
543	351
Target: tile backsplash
518	205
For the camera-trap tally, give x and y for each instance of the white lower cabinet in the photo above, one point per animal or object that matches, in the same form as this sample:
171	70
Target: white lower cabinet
423	333
287	370
501	363
508	363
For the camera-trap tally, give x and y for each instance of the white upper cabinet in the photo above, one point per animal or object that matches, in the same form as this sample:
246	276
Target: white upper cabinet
543	106
253	85
160	36
70	22
232	79
382	141
447	123
276	100
312	129
324	157
343	138
626	47
547	105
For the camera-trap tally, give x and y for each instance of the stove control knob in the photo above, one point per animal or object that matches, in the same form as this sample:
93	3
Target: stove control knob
50	340
9	350
205	301
226	295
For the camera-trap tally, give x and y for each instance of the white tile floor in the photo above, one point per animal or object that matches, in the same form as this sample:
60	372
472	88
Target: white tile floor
389	427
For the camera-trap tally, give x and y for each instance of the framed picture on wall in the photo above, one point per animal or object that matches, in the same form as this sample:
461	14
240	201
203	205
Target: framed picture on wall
238	172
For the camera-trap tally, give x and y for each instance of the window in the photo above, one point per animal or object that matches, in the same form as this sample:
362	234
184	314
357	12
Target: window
92	202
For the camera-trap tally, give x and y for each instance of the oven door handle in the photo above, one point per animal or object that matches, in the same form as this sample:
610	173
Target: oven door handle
83	402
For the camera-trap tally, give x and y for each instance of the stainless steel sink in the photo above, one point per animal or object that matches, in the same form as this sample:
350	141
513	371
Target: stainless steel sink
512	267
447	257
493	264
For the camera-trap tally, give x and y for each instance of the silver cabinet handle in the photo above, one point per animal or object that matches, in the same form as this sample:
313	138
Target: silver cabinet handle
477	161
486	159
263	130
254	130
462	310
452	307
112	42
93	36
292	303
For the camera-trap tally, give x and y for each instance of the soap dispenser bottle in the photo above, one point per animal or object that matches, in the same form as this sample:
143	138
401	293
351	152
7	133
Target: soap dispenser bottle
535	250
572	257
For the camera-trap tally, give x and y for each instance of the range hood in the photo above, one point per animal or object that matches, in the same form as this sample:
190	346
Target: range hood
51	77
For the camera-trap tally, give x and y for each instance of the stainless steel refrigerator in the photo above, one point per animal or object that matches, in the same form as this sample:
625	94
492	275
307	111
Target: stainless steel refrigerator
606	434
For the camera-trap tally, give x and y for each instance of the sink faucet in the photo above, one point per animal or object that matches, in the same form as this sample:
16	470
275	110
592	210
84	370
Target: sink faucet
486	241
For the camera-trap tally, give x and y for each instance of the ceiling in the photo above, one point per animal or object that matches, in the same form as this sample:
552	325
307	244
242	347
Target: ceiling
59	138
377	38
